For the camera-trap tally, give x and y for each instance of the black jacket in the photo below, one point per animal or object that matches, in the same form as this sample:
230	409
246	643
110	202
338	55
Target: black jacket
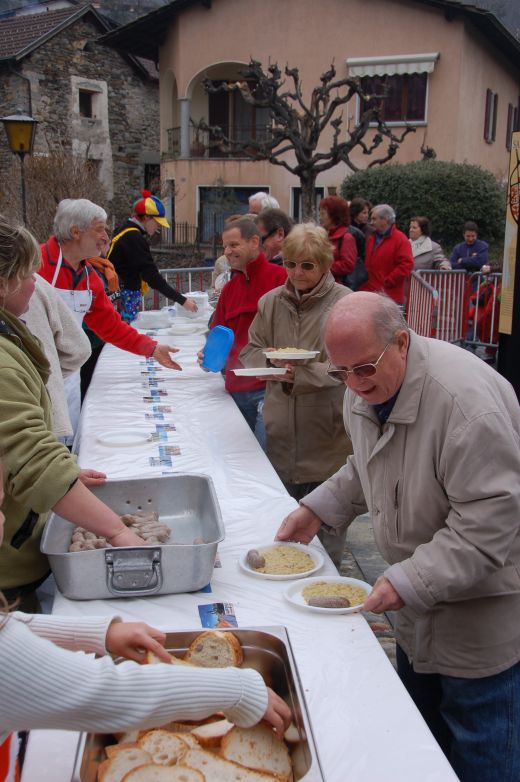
133	262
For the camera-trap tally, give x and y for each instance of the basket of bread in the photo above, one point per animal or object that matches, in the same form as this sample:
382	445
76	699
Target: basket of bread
213	749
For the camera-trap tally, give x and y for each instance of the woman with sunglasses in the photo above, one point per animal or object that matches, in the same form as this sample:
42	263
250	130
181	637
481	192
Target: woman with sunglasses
306	440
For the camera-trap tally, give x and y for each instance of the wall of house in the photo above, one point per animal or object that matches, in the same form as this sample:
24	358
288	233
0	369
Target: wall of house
124	133
453	129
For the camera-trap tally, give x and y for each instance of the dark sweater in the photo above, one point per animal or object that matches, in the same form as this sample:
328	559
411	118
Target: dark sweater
133	262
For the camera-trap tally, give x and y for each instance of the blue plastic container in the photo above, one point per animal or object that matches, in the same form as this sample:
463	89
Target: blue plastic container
217	347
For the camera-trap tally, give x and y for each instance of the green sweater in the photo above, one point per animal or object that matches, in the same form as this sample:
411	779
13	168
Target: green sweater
38	470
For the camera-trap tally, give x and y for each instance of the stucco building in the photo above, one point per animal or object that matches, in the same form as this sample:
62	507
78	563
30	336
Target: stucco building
93	101
452	70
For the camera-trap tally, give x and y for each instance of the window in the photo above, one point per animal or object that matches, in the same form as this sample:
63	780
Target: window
238	119
401	98
86	103
490	117
512	124
397	84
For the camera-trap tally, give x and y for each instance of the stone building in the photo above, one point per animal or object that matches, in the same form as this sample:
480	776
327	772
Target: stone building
90	100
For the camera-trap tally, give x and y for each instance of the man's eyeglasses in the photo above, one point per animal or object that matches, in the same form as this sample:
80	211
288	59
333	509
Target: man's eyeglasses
268	234
307	266
361	370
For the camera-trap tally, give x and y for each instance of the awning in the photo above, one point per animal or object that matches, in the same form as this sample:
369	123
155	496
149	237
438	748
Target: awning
392	64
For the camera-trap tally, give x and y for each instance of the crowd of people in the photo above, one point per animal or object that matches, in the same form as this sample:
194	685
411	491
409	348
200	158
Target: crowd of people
379	420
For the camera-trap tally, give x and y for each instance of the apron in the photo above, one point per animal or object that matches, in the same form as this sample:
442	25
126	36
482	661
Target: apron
79	303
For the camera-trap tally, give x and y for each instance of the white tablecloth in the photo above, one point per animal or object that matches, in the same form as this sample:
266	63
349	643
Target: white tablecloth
366	727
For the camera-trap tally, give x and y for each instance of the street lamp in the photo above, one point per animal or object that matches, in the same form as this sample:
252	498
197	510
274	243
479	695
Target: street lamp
20	130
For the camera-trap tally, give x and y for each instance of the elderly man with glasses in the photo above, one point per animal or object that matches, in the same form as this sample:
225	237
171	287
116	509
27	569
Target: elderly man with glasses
436	462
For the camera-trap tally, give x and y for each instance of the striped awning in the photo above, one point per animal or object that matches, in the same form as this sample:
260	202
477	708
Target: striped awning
392	64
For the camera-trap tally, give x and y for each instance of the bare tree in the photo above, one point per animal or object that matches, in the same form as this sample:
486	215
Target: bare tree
49	178
296	127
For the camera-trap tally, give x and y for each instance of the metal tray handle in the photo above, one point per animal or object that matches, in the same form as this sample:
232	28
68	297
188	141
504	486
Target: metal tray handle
133	572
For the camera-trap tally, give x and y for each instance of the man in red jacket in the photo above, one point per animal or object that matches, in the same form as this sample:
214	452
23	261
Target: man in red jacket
79	233
252	276
388	256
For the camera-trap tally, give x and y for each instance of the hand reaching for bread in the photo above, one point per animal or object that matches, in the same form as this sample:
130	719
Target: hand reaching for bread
277	714
134	639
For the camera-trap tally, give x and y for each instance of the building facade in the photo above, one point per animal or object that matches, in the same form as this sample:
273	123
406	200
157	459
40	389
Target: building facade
451	71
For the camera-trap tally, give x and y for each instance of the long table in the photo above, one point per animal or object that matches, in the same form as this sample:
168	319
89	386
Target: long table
366	727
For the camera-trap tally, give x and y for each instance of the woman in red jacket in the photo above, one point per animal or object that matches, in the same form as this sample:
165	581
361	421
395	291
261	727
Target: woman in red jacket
335	218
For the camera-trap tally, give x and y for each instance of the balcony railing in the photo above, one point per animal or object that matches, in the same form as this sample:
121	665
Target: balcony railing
204	144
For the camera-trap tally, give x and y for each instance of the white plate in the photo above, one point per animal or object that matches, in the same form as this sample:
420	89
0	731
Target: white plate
259	371
313	552
294	594
186	327
122	438
280	355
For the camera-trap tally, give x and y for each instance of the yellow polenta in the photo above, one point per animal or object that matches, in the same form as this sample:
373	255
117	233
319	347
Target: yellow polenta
284	560
355	595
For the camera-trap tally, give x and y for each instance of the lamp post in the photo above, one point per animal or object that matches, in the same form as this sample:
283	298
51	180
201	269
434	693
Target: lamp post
20	130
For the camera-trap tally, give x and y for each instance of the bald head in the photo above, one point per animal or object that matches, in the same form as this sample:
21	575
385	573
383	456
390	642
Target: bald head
365	328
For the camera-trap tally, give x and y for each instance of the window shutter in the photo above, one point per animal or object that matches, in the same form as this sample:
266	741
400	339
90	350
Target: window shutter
495	113
489	97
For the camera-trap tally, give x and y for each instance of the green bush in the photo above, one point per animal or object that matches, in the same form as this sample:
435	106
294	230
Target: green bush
447	193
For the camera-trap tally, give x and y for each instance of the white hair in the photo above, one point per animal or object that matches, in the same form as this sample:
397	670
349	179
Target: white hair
75	211
267	201
385	211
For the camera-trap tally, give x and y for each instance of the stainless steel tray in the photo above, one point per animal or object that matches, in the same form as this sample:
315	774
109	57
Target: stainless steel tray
187	503
267	650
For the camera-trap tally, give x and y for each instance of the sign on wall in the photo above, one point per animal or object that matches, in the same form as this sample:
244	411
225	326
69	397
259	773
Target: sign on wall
511	237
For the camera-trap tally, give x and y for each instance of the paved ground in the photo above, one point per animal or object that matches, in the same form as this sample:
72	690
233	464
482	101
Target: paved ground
362	560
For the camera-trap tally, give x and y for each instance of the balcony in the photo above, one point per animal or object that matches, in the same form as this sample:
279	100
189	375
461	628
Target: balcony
203	144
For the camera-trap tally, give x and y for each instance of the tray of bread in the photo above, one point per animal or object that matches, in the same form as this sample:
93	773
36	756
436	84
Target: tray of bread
213	750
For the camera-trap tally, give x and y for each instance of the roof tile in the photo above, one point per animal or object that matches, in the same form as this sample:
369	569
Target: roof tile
19	32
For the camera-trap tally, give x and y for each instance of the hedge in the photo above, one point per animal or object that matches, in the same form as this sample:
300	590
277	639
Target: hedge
447	193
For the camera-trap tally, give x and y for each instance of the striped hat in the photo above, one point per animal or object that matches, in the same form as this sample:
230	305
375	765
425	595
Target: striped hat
151	206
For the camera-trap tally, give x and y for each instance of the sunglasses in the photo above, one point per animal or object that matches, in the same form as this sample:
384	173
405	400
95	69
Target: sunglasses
307	266
267	235
361	370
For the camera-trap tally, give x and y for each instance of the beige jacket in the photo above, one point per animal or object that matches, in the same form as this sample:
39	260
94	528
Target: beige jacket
66	347
441	480
306	439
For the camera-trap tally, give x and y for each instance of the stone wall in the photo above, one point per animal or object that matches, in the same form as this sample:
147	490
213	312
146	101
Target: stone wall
120	141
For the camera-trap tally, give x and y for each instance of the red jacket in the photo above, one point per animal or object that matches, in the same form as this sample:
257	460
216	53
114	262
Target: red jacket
236	309
102	318
345	252
389	265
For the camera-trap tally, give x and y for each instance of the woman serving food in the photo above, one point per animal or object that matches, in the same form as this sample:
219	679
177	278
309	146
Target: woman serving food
39	473
306	440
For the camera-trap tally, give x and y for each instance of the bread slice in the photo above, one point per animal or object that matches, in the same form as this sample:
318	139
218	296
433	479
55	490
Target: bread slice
215	649
114	749
257	748
152	659
165	748
216	769
116	767
211	735
152	773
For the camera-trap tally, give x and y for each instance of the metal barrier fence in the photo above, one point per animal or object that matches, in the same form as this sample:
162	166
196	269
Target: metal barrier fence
455	307
437	304
184	280
484	310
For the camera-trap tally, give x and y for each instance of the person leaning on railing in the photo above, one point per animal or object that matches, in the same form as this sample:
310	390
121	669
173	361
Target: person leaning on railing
427	254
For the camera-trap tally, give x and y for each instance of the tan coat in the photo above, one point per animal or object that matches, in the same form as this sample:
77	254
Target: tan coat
441	480
306	439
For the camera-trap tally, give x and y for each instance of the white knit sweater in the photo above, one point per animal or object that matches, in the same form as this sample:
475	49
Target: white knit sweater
65	344
45	686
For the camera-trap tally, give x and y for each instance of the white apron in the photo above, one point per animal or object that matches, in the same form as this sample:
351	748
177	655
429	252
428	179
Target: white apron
79	303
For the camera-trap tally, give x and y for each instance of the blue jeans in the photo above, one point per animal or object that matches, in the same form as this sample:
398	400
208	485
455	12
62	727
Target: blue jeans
475	721
250	404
